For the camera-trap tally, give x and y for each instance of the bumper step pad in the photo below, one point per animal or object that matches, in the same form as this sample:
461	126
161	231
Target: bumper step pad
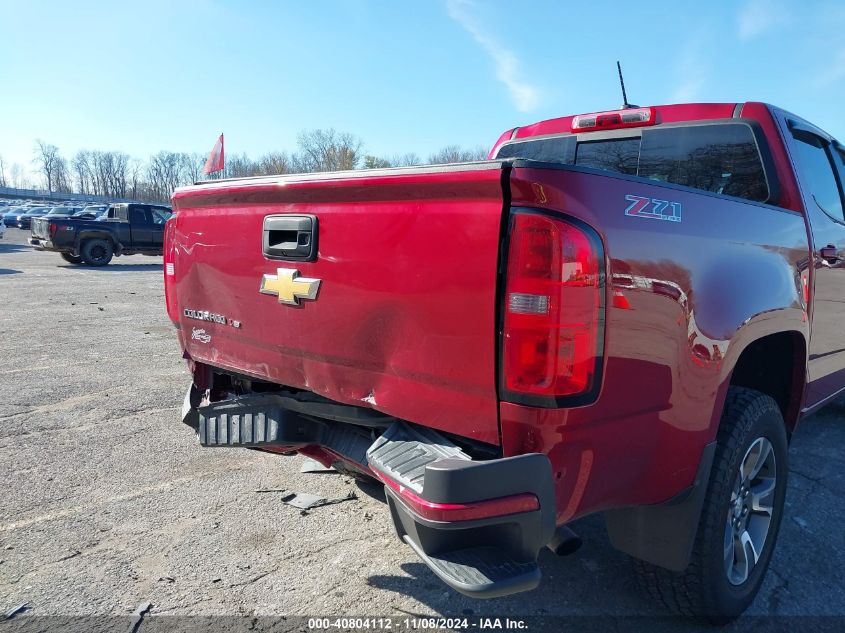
402	452
240	427
268	420
481	572
484	557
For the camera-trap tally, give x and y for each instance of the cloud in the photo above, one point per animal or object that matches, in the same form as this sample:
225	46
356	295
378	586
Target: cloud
689	90
691	70
524	96
833	72
757	17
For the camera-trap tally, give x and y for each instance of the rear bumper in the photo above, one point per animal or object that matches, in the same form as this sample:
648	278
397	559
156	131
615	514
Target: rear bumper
494	553
40	244
478	525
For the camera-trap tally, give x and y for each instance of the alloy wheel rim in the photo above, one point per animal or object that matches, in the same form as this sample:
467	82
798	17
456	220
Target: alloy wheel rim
750	510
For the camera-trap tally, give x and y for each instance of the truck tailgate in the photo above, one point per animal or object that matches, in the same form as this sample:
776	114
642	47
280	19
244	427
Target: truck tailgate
404	320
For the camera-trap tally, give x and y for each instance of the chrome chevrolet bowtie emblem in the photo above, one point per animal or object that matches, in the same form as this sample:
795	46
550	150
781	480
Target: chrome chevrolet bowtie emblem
289	287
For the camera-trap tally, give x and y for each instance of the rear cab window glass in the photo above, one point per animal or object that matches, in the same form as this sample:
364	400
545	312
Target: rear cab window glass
560	149
722	158
719	158
619	155
160	216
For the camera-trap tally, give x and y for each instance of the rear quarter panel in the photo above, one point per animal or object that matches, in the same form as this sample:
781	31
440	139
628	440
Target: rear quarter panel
683	300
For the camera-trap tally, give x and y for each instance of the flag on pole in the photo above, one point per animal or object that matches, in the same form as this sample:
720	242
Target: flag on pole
215	158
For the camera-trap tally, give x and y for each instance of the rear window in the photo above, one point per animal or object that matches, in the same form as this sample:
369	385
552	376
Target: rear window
559	149
160	216
721	158
618	155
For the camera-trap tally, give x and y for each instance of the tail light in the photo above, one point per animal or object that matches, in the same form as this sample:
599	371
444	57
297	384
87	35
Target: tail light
53	228
553	324
169	251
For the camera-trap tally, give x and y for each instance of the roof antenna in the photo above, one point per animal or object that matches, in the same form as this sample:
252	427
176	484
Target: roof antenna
625	103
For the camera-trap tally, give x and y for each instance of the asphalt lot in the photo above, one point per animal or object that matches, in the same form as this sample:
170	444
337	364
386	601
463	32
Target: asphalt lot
109	502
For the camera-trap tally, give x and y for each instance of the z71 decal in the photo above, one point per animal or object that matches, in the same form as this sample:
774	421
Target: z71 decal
653	208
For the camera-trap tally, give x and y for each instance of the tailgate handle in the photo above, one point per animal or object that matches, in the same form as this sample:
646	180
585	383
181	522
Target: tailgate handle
292	237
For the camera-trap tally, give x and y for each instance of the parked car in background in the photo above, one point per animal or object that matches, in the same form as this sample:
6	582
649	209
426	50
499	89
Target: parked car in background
8	216
2	229
108	214
23	219
92	211
63	211
129	229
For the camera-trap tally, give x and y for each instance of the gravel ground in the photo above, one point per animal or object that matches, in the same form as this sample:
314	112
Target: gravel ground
109	502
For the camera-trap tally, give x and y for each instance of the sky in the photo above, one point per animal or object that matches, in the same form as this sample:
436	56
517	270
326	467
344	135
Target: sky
404	76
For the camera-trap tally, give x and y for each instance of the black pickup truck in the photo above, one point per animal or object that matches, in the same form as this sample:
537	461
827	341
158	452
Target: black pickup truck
127	229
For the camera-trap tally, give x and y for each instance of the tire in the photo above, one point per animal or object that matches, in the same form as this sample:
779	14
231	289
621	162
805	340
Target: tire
713	586
71	259
97	252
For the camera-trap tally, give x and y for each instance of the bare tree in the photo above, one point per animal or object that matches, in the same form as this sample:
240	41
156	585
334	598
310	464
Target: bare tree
16	173
134	180
165	172
81	167
275	163
456	154
46	156
404	160
376	162
2	172
61	176
196	162
115	174
240	167
119	165
327	150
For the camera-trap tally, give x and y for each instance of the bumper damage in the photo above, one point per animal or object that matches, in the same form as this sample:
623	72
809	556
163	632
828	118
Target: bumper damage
478	525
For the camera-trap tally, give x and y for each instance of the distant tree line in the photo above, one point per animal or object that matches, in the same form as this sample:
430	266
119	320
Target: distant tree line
116	174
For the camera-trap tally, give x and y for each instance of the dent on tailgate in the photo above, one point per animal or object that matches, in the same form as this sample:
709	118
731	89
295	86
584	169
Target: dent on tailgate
404	318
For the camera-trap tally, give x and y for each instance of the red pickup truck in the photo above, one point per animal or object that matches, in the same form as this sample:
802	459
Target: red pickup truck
623	312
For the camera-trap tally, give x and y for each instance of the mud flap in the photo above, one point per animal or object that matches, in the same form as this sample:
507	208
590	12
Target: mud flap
190	415
663	534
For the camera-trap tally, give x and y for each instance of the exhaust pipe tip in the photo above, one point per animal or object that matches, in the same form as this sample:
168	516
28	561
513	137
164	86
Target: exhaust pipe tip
565	541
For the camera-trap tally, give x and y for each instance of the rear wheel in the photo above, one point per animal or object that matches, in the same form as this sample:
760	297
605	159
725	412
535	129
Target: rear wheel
72	259
741	515
97	252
